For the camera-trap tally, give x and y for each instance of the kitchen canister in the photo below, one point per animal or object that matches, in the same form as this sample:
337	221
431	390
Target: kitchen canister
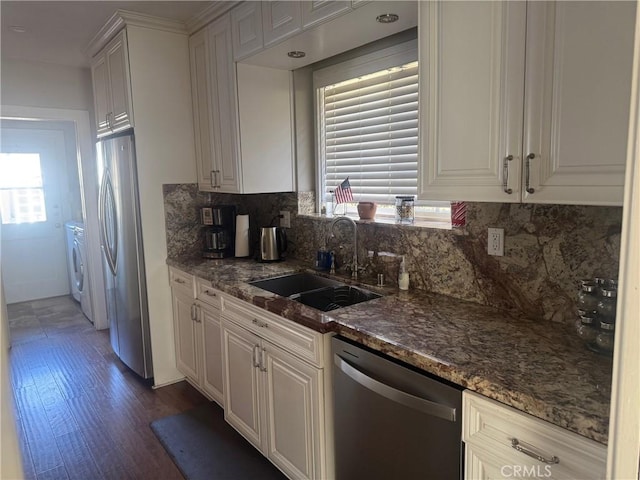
404	209
242	235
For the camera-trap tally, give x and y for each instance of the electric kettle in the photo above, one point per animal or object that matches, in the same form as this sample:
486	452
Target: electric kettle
273	243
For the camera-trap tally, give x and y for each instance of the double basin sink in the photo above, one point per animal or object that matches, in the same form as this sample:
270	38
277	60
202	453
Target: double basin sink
315	291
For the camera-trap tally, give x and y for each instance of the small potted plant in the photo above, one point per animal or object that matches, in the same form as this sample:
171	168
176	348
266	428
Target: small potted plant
367	210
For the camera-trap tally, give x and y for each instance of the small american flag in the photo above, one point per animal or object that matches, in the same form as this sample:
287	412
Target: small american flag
343	192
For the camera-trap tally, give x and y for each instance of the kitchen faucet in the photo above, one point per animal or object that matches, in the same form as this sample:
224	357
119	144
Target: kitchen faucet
354	270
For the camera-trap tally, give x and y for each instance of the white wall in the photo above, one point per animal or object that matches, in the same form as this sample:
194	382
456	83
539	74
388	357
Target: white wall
45	85
165	151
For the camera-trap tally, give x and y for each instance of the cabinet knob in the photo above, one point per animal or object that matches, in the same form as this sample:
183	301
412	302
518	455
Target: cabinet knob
209	293
528	188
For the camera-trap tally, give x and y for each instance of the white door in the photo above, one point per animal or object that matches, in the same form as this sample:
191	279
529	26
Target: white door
294	389
243	403
578	86
32	172
186	335
212	382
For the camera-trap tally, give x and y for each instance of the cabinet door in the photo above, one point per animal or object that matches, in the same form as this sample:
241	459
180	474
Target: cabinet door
280	20
187	339
578	77
317	11
224	108
243	403
264	105
118	68
212	382
199	59
101	100
471	100
294	390
246	21
484	466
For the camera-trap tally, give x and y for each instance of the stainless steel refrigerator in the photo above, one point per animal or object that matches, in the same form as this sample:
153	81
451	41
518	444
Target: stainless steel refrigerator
122	253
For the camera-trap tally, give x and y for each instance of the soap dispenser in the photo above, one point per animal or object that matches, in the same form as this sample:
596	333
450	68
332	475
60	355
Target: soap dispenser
403	276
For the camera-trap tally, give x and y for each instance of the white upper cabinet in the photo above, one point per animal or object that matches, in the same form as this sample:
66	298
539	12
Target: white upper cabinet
317	11
112	87
213	81
471	91
562	139
246	22
280	20
242	120
578	90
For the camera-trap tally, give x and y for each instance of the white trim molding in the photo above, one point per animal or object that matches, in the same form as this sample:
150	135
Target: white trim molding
623	461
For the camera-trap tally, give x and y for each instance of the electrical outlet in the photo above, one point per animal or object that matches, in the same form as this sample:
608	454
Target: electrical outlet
285	219
495	242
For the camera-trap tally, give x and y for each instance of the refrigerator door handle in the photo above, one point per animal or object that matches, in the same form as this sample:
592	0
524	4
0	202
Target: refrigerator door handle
106	188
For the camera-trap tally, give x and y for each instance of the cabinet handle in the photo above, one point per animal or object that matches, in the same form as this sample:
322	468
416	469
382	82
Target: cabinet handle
505	174
217	178
515	443
263	363
179	280
255	361
530	157
193	312
209	293
213	174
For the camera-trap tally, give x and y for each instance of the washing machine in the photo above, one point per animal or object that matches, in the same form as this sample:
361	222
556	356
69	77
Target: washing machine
76	255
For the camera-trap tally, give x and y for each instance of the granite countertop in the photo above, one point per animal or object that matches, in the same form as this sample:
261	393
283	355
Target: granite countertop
541	368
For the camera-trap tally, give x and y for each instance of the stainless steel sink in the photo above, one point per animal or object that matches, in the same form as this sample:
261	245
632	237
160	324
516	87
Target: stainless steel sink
315	291
332	298
288	285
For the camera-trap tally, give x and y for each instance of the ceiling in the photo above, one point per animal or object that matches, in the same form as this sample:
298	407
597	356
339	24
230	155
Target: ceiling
59	32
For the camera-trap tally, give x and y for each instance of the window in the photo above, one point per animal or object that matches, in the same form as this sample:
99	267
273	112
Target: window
21	188
367	110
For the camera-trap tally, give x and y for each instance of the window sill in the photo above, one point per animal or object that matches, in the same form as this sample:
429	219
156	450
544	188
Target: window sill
418	224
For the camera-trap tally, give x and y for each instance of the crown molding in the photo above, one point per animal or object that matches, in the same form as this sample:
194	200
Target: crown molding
213	11
122	18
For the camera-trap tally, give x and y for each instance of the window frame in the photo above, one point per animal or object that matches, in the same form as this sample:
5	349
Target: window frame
396	55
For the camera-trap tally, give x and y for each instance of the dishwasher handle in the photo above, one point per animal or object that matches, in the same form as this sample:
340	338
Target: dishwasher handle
395	395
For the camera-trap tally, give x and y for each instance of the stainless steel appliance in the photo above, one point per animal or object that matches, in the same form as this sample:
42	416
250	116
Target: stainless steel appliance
218	231
391	421
273	243
121	243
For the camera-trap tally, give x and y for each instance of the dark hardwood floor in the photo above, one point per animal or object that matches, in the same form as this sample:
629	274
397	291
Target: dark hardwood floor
81	414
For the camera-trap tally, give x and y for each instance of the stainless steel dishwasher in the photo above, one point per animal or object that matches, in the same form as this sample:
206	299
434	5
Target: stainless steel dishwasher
392	422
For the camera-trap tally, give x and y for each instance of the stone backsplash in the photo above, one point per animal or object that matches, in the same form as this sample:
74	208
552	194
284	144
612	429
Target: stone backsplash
548	248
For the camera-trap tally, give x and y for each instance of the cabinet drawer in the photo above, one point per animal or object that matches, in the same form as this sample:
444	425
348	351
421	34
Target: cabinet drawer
181	281
294	338
490	429
207	294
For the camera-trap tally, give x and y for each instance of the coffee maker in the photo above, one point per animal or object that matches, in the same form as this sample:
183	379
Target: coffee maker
218	230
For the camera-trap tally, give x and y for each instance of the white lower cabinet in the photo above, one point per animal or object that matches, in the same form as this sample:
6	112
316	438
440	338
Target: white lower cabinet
502	442
198	335
274	398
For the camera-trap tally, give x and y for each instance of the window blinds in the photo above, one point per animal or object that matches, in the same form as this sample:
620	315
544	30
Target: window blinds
369	133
